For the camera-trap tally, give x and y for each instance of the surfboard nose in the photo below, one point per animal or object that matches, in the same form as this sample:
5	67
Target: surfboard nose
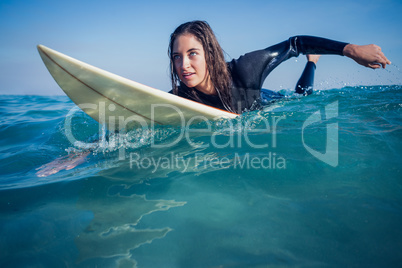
42	51
40	48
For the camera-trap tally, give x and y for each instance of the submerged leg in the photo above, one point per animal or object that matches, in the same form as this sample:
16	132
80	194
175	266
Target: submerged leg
305	84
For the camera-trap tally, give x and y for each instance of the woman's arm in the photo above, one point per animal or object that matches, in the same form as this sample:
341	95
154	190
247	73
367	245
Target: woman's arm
306	81
251	69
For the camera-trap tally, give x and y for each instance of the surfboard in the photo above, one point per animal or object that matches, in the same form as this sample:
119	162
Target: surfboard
121	103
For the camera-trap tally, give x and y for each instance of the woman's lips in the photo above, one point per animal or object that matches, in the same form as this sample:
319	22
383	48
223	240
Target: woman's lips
188	75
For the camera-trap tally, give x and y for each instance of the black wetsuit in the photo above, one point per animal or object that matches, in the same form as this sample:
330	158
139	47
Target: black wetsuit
250	70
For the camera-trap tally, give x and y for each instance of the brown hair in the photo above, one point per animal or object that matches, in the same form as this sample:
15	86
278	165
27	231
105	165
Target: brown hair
214	57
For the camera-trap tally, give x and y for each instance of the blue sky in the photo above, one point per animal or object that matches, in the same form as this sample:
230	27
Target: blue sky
130	38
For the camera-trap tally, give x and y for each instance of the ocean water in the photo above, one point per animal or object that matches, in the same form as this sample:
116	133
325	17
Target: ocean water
305	182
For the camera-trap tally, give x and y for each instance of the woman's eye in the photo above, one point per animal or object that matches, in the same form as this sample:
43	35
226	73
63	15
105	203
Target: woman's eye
176	57
193	53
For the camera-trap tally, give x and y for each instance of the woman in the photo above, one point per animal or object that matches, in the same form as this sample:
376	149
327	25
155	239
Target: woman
199	71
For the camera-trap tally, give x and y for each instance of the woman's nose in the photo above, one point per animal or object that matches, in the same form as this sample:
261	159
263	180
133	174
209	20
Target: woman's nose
185	62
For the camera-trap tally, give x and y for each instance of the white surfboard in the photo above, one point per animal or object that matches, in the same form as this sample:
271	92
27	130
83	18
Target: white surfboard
119	102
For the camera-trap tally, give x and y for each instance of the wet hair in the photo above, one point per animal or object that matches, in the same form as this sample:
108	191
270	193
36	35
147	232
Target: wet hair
214	57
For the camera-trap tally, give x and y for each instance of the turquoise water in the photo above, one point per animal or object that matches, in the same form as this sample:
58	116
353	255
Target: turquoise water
306	182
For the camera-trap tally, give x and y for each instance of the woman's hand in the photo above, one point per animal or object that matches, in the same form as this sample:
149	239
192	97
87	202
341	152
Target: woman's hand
66	162
367	55
313	58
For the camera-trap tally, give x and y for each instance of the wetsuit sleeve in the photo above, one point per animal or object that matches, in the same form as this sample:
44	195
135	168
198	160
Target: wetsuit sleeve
306	80
251	69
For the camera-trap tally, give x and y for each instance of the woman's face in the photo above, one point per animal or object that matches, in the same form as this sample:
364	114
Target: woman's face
189	62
